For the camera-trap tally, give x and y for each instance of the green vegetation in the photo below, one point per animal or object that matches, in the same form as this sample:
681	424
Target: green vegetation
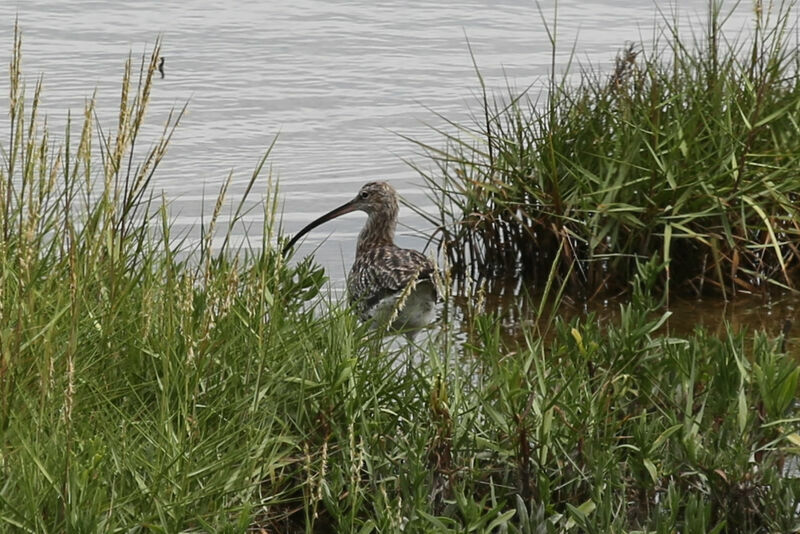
153	383
687	152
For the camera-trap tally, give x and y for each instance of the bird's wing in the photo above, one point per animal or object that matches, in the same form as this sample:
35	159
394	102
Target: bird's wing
383	271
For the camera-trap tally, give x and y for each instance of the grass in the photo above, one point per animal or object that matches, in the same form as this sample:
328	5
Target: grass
152	383
687	152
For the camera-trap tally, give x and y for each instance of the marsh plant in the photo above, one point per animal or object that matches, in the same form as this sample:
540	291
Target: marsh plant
688	151
150	382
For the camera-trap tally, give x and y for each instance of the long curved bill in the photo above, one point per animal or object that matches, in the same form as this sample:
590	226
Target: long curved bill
341	210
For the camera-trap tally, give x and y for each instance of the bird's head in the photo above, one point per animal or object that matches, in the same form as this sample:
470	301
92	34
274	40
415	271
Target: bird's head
376	199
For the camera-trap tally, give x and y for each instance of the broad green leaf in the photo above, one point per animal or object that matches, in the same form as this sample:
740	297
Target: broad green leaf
651	468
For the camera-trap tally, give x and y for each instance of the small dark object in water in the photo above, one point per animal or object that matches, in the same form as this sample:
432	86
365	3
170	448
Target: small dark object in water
787	326
161	66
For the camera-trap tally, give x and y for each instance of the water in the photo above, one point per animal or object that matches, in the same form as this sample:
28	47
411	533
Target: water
754	313
339	82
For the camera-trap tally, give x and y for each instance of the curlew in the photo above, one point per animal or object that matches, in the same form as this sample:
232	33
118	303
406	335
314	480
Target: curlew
387	284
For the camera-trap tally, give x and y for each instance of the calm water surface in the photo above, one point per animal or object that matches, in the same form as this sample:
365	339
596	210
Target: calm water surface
755	313
337	81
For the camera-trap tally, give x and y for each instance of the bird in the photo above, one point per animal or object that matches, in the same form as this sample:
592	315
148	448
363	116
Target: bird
161	66
388	285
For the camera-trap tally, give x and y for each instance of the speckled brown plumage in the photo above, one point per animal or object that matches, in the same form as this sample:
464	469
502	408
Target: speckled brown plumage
382	270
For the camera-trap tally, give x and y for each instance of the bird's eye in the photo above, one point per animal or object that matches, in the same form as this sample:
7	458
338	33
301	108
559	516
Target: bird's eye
364	194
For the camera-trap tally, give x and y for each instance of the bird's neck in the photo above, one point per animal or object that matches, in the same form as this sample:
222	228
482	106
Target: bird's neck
379	231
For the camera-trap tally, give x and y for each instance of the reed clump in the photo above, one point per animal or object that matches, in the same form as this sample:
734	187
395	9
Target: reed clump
688	152
150	382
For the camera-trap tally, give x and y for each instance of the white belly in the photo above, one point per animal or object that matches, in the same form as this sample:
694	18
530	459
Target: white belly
416	311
